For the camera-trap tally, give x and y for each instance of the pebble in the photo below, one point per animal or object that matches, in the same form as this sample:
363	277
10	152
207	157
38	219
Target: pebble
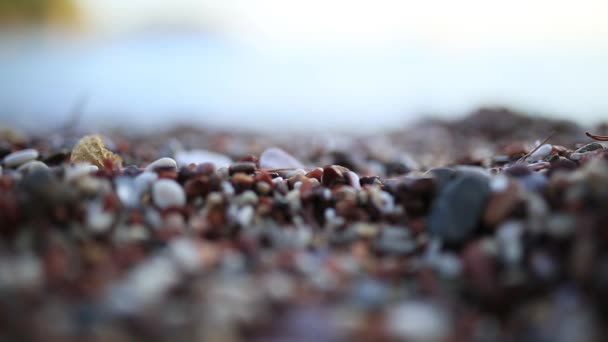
508	236
168	193
162	163
276	158
32	165
457	210
20	157
185	158
127	191
79	170
418	321
540	153
243	167
98	220
353	179
585	150
502	203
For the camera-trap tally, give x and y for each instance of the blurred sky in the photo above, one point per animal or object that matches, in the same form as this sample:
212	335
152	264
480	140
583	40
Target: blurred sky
321	64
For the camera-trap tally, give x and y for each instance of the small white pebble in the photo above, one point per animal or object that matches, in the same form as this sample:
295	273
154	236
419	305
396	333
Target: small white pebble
165	162
245	215
168	193
32	165
540	153
353	179
499	183
185	254
143	181
79	170
20	157
418	321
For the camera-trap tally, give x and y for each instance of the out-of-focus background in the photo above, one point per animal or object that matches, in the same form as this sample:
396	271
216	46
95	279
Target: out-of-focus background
313	65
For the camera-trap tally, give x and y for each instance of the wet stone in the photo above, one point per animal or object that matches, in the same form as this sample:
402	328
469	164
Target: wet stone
457	210
20	157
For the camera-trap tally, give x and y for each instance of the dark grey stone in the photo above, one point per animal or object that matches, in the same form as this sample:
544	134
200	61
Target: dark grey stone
457	209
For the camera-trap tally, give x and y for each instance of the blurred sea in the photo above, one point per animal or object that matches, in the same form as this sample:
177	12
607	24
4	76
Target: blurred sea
155	78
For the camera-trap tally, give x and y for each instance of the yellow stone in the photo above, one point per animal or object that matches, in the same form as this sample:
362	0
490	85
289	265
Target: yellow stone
92	149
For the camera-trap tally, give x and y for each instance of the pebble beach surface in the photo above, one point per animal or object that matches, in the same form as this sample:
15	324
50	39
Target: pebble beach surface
476	230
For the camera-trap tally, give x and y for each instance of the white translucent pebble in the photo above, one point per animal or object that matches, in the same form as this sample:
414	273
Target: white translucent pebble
499	183
144	180
274	158
20	157
165	162
98	220
152	278
245	215
168	193
418	321
508	237
227	188
185	158
353	179
540	153
293	198
185	254
247	197
79	170
32	165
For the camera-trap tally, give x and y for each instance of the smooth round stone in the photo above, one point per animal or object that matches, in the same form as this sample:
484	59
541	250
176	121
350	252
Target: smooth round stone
20	157
418	321
79	170
162	163
243	167
353	179
540	153
127	191
275	158
168	193
185	158
32	165
457	210
144	180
